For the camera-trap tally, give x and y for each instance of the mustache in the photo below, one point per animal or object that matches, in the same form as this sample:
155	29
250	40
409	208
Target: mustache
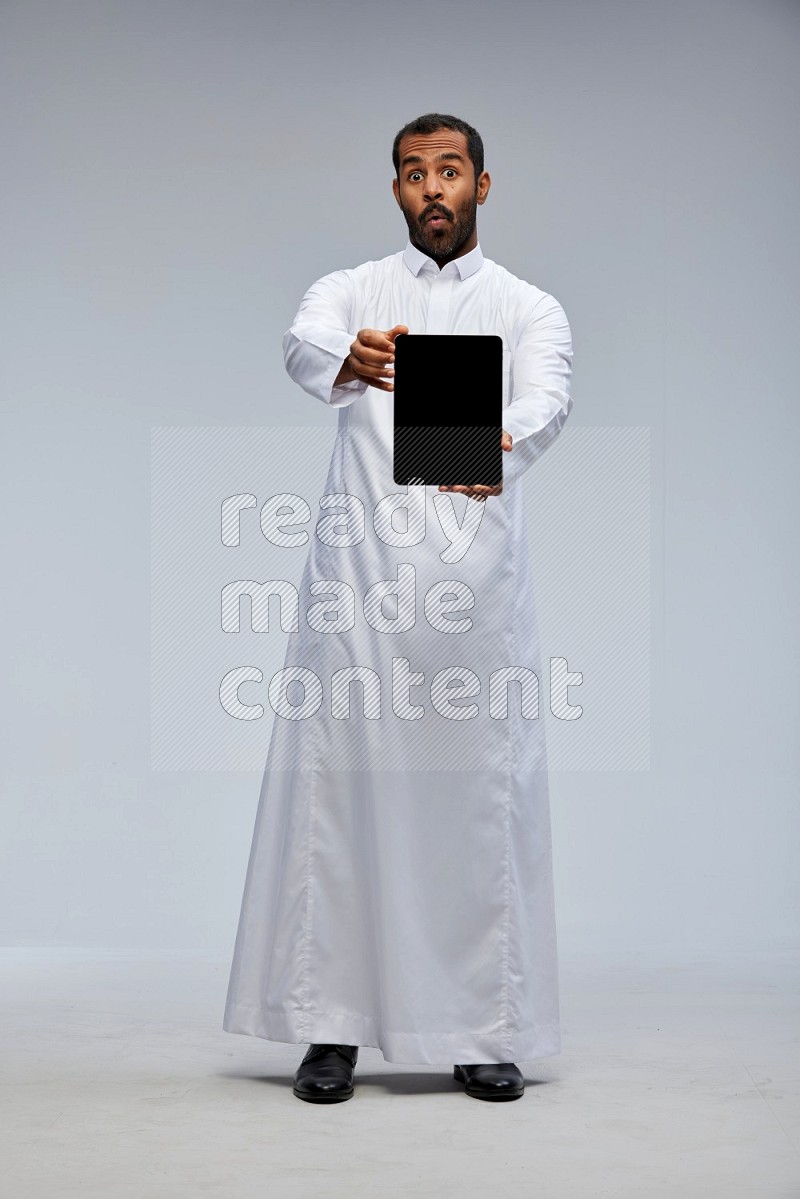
436	212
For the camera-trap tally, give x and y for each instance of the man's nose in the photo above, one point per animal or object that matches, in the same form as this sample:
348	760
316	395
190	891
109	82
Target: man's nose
433	190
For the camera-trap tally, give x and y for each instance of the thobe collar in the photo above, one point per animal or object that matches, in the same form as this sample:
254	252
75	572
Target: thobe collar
464	266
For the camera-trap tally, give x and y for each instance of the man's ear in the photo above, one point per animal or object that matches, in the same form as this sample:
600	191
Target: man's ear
396	190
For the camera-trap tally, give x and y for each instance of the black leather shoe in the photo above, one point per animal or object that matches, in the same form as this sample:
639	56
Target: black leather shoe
325	1074
502	1080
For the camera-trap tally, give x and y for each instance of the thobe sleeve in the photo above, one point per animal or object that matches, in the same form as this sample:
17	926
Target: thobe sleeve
319	339
541	400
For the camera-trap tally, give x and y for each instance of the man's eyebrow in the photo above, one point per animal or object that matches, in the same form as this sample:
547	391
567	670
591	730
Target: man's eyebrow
409	158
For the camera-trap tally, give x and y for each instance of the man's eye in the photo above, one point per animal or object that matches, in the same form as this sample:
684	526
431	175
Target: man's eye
452	170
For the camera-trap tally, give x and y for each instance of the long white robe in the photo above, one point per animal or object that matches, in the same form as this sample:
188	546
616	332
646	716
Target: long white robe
399	890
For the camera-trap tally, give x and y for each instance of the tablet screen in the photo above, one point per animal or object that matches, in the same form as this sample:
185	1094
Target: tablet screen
448	408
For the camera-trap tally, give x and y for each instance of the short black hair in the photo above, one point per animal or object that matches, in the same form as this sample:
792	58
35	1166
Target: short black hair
429	123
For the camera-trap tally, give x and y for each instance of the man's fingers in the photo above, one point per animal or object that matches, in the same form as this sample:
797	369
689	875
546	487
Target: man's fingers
375	364
475	491
372	375
373	357
379	383
377	340
374	338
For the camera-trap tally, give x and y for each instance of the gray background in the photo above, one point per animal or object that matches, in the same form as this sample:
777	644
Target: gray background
175	176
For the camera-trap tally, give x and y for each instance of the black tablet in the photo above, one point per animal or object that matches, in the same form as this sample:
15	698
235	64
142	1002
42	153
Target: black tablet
448	409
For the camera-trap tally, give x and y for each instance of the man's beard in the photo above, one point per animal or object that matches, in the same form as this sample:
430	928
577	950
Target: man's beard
448	238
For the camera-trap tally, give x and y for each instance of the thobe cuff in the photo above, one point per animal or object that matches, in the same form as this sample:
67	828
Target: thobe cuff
323	352
534	421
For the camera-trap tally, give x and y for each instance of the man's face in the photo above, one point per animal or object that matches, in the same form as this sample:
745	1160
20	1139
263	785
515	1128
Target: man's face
429	184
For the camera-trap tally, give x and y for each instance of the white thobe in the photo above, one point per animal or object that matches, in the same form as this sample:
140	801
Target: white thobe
399	890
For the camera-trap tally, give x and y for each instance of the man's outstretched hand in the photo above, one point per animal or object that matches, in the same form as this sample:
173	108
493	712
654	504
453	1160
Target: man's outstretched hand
478	491
371	357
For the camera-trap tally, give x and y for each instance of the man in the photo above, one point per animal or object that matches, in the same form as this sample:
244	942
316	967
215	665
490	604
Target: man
399	891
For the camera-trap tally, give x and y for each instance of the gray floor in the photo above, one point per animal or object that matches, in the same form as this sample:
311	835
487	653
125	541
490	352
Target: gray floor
678	1077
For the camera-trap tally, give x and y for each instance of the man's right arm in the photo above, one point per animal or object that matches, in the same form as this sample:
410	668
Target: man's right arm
317	343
